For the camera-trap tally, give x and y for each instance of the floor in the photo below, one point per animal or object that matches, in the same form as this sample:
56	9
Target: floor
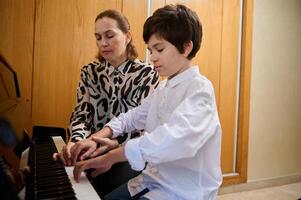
284	192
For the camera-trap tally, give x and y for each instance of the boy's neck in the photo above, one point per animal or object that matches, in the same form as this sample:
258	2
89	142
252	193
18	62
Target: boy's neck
184	67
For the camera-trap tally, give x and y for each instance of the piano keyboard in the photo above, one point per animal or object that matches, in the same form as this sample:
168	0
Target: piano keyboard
51	179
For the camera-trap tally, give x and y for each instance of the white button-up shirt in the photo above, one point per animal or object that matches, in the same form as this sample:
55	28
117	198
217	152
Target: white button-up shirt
181	143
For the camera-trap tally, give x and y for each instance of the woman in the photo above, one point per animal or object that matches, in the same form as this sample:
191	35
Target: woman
113	85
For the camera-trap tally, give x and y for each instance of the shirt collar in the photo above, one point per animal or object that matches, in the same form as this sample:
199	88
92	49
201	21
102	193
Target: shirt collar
183	76
120	69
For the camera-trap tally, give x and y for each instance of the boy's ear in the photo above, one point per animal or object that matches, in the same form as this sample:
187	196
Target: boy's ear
188	48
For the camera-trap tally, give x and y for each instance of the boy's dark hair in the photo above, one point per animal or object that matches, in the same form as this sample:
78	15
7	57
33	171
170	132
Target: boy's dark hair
178	25
124	25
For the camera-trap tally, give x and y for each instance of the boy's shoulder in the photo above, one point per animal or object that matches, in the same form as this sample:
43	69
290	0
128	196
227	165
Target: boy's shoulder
200	83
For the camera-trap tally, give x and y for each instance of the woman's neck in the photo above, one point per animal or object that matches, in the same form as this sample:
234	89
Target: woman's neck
117	62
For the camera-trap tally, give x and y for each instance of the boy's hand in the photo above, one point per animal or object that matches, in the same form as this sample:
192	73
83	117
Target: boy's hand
105	144
101	165
65	154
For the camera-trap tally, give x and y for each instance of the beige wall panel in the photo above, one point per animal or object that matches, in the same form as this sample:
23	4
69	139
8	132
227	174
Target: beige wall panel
228	81
275	105
136	12
64	42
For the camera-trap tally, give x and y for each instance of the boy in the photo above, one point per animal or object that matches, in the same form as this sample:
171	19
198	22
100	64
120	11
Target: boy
182	139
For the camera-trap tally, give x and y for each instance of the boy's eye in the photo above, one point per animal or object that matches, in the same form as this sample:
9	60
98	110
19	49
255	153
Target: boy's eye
160	50
110	36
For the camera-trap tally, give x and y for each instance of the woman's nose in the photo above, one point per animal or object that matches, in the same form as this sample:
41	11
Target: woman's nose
103	42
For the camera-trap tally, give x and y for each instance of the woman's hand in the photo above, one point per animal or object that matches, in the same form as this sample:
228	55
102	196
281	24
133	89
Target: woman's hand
105	145
65	154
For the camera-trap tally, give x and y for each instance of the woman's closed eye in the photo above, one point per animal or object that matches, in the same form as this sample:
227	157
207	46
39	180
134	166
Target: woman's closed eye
109	36
97	36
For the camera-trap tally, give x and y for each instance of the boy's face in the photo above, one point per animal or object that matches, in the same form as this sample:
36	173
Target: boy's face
166	58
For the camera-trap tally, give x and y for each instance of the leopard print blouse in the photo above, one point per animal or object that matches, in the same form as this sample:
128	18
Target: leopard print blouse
105	91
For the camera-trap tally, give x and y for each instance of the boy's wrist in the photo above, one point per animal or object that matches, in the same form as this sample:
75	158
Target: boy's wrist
108	131
116	155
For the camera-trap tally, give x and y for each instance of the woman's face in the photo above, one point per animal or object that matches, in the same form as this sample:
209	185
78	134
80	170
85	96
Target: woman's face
111	41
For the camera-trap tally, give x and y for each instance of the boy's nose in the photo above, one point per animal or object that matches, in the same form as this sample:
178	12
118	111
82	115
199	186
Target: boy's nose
153	59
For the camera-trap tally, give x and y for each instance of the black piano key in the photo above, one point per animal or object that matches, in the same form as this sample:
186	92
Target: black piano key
62	183
56	193
55	190
49	179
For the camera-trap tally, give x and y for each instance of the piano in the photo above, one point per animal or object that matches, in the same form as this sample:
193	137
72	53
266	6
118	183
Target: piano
48	179
51	179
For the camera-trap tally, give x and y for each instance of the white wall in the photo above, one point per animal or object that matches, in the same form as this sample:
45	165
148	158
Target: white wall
275	105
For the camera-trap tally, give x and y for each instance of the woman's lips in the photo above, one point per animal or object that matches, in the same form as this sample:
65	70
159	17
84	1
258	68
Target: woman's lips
106	52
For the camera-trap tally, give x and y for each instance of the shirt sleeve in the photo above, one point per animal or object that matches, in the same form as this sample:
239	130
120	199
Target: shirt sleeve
191	125
81	121
134	119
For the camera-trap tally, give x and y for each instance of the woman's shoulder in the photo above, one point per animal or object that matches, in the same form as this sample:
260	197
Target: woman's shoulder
138	65
93	66
140	69
140	62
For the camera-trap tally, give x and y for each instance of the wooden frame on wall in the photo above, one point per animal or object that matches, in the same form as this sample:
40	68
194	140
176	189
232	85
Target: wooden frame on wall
244	97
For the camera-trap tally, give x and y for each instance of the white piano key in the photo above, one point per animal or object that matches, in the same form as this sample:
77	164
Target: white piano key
83	189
